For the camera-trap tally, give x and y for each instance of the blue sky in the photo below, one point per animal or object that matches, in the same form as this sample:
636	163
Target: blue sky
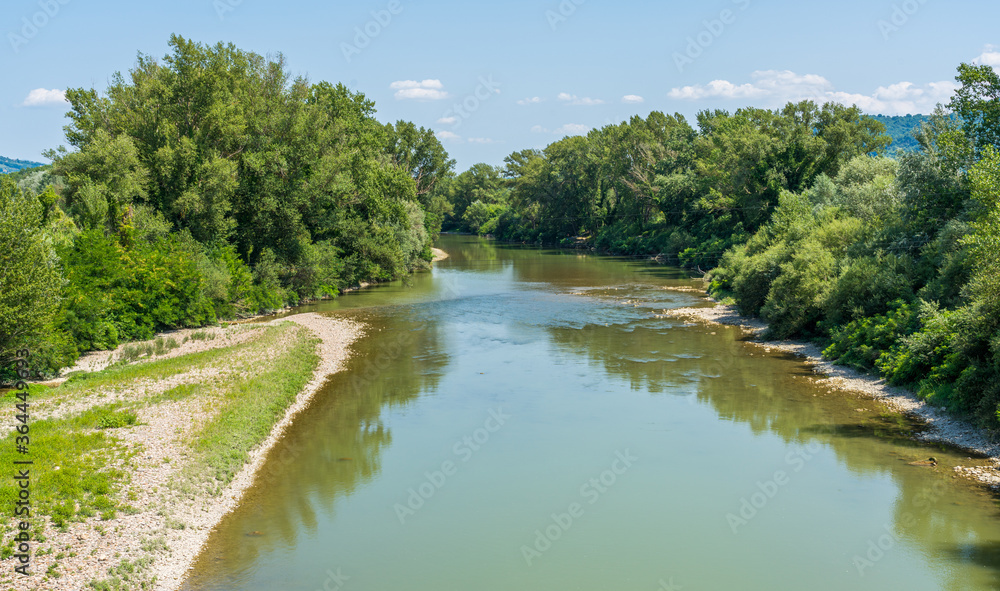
496	77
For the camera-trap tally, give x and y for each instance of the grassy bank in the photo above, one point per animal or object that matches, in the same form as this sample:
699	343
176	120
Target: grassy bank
116	450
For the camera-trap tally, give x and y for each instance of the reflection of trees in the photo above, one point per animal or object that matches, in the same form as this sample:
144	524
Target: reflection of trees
333	447
562	268
764	391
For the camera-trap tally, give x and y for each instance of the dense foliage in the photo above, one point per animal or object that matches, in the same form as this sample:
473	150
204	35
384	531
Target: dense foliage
889	262
658	185
211	185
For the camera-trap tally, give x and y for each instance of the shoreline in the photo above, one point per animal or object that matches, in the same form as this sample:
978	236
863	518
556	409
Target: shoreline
439	255
164	518
336	336
942	427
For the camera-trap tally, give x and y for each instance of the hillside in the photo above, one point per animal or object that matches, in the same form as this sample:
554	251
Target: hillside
900	129
10	165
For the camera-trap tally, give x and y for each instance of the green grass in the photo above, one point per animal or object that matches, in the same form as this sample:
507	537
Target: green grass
201	335
179	392
117	420
159	346
251	407
73	477
120	375
127	576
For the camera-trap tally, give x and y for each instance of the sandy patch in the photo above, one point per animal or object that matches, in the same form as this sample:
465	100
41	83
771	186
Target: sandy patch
439	255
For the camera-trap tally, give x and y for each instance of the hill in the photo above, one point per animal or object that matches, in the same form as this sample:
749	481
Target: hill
9	165
900	128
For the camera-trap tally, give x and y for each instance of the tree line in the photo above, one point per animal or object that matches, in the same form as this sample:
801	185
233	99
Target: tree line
207	185
802	217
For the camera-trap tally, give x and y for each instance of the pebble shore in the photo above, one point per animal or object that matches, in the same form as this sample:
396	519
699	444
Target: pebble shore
169	525
942	427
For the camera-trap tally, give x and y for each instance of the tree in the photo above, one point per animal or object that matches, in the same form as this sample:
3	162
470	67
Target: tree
977	102
30	277
420	153
481	182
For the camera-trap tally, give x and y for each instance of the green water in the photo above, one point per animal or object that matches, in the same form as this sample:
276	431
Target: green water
525	419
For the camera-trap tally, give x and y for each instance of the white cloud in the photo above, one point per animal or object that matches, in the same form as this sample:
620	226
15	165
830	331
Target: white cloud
40	97
572	129
576	100
989	57
447	120
530	101
447	135
633	99
775	88
481	140
568	129
414	84
428	90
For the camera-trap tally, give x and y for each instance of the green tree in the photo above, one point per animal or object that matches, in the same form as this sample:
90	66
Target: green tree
977	102
30	277
419	152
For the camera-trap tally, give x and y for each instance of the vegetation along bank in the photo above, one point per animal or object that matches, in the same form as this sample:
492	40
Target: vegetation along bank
210	185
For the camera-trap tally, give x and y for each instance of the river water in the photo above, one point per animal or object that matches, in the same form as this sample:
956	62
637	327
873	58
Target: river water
526	419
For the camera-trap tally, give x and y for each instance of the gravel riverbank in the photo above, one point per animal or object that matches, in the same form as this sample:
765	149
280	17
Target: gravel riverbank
164	516
942	427
336	336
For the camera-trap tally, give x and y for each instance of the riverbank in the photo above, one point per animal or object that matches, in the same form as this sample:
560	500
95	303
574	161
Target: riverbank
942	427
155	452
439	255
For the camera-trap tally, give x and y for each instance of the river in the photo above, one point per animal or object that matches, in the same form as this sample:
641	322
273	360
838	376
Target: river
527	419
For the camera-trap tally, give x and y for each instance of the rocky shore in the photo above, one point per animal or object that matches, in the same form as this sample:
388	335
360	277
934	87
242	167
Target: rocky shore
942	427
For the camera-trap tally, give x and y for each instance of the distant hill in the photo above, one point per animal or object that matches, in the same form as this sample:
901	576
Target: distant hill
9	165
900	129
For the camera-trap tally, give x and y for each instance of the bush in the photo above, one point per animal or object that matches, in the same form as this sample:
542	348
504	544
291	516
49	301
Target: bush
863	341
120	294
795	300
914	357
866	287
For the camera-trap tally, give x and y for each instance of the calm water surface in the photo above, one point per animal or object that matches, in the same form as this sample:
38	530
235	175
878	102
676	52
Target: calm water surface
525	419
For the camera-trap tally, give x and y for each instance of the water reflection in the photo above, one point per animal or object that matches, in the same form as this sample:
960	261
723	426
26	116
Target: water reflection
333	450
577	349
779	394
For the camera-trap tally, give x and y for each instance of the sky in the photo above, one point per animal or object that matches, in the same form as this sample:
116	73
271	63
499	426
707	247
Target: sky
492	78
